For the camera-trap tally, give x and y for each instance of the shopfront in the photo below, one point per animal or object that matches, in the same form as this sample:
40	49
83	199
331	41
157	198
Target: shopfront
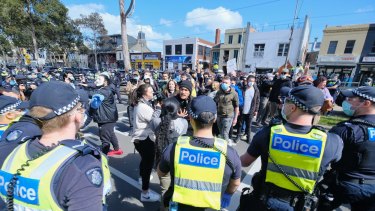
145	60
344	66
366	69
178	62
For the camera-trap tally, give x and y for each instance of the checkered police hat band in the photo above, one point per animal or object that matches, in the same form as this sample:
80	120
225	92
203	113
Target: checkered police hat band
298	104
367	97
67	108
10	108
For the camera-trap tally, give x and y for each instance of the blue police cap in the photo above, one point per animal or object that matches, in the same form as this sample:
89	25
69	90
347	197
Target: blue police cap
10	103
365	92
307	97
202	104
58	96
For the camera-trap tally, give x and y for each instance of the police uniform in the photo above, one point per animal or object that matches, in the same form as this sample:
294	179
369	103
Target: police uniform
293	159
70	176
200	174
8	104
356	169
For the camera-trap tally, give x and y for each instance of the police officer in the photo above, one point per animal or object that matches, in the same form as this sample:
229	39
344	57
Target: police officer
10	111
356	169
294	155
56	171
200	161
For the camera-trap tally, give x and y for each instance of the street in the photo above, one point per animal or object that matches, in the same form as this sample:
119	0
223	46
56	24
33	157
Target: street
125	169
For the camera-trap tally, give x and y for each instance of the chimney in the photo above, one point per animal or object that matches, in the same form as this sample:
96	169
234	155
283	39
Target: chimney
217	37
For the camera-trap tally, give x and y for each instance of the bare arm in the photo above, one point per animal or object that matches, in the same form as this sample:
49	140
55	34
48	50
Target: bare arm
247	160
233	185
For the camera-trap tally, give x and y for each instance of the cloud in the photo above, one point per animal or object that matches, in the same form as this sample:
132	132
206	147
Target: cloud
212	19
85	9
165	22
365	9
113	24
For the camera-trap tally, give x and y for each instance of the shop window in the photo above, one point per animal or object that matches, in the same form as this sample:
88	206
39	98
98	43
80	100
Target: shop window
332	47
230	40
168	50
189	48
283	49
349	46
178	49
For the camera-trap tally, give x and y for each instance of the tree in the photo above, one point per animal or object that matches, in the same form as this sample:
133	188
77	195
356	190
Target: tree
124	36
93	28
38	24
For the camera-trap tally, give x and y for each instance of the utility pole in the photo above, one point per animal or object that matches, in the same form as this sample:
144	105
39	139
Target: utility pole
291	34
124	36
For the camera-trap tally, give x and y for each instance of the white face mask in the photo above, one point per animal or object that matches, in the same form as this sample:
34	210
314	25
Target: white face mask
99	82
250	84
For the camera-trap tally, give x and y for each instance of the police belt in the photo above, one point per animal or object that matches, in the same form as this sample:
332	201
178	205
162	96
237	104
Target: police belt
273	191
358	181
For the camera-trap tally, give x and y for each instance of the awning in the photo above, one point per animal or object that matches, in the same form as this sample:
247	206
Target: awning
337	64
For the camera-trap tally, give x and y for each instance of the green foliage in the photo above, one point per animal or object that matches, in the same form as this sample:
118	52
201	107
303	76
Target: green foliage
331	120
47	19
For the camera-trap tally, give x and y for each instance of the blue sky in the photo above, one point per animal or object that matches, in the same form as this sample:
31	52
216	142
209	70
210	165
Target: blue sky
169	19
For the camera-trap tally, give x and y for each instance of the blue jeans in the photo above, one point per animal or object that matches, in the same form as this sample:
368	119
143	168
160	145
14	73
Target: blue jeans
224	124
278	204
360	196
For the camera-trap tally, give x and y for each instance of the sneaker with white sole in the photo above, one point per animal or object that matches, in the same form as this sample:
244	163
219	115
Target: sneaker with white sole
149	197
140	179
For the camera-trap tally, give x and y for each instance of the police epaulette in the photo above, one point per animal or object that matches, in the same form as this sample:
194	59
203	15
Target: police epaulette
361	121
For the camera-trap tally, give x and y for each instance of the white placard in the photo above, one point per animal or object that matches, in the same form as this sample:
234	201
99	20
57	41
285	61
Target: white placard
231	65
170	65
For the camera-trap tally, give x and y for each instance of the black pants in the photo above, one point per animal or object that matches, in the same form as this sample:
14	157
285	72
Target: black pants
146	149
107	136
118	94
247	118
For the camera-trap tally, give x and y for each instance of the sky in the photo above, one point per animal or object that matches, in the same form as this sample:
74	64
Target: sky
172	19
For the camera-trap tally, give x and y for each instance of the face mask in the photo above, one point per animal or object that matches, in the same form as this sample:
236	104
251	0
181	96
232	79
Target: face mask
283	77
136	78
224	86
250	84
71	78
12	82
347	108
283	114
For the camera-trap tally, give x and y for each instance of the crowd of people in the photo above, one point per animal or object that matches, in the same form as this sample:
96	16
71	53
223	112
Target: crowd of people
185	124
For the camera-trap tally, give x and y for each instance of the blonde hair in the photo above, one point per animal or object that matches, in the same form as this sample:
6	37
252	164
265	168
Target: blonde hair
53	124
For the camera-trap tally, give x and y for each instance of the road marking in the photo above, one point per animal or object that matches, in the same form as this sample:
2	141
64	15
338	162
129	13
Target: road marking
129	180
119	174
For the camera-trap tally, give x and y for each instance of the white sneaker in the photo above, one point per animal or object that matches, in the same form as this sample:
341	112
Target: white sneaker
231	143
140	179
149	197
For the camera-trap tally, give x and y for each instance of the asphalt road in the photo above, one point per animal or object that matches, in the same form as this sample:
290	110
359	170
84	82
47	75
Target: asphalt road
124	168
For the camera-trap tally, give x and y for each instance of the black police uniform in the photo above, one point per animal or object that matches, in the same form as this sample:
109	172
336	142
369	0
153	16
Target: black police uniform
356	169
20	131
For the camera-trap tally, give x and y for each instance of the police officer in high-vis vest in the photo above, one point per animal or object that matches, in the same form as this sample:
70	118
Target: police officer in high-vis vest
11	109
294	155
356	169
205	171
55	171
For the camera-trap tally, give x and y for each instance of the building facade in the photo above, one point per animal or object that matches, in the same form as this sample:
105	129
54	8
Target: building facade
148	60
341	51
180	54
366	66
268	51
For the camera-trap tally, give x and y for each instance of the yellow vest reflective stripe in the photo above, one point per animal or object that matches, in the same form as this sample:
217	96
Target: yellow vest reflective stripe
40	172
198	174
298	155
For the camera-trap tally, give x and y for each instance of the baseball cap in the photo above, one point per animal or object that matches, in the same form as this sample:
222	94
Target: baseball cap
202	104
10	103
365	92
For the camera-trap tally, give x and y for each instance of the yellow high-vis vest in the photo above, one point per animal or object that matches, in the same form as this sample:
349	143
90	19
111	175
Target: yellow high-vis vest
34	187
298	155
198	174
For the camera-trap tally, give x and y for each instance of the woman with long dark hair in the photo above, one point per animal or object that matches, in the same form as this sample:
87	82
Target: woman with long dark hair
144	137
167	129
171	89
